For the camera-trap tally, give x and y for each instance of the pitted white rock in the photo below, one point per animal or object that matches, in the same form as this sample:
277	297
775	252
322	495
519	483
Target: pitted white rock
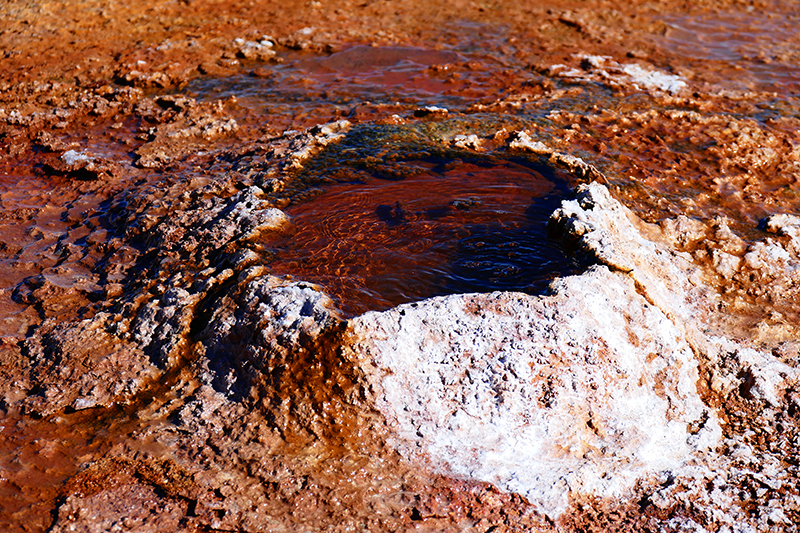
543	396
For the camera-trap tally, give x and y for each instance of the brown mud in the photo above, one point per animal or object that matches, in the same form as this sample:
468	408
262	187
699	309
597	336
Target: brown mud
129	134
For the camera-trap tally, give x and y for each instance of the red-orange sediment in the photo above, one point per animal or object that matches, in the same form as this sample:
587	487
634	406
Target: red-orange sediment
87	76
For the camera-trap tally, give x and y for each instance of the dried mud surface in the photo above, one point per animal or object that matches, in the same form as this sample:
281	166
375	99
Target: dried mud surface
162	369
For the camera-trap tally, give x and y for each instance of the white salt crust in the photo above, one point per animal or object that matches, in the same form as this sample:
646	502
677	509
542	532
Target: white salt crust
542	396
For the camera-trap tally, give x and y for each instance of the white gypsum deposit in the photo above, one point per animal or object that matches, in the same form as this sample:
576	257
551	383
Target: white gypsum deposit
590	391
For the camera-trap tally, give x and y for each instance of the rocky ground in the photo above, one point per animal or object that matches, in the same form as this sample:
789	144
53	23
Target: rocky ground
160	369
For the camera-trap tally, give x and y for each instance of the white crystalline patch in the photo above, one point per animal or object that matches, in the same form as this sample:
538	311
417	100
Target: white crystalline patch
597	61
523	141
565	72
305	146
783	224
603	68
582	392
71	157
470	142
654	79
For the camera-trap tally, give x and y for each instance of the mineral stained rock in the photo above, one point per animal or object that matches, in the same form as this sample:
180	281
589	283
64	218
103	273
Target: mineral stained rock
155	375
105	371
589	392
586	390
583	391
619	388
270	327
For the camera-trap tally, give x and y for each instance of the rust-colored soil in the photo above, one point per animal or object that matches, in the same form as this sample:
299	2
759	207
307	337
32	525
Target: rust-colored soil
122	123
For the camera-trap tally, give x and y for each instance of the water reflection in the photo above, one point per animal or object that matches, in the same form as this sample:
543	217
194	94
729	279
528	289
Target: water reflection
457	226
750	50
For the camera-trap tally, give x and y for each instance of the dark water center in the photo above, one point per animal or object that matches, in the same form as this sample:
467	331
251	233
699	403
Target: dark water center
421	226
431	227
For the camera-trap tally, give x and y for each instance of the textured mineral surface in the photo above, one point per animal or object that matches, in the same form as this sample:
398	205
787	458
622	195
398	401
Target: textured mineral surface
395	266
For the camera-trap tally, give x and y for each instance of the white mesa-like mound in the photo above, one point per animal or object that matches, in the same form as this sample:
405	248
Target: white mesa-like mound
581	392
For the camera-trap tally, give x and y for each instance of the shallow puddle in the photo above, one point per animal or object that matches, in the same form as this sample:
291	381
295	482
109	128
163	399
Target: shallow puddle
413	224
37	456
449	226
358	79
752	51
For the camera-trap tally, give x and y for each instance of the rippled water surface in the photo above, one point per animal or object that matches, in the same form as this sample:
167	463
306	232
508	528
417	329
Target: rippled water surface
754	51
447	226
418	227
359	80
402	222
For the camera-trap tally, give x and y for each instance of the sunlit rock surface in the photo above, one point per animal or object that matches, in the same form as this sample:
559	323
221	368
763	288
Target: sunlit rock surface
623	390
606	384
159	373
613	388
584	391
101	371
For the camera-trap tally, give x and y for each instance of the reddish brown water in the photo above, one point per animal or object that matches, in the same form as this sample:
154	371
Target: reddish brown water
30	224
452	226
38	455
752	51
410	253
361	83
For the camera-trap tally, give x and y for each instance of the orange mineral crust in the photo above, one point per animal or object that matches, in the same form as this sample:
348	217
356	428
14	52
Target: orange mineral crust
394	266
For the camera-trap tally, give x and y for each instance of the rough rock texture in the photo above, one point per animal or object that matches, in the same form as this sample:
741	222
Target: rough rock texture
80	165
615	74
612	394
297	147
182	120
603	388
113	360
123	508
610	234
141	385
544	396
768	270
750	388
123	495
162	325
522	141
273	326
101	370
